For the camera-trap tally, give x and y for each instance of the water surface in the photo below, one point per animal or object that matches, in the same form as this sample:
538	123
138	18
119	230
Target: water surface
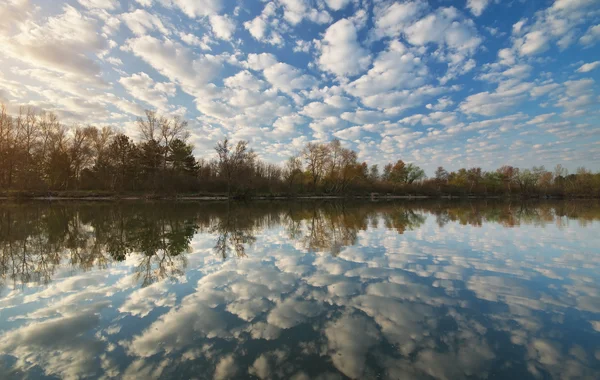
401	290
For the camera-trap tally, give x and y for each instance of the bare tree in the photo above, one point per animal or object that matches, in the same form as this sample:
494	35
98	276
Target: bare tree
149	128
316	157
231	161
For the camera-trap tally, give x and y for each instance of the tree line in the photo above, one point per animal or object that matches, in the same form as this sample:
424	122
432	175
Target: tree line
40	154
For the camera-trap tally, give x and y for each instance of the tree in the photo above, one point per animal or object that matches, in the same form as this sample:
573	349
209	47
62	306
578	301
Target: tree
396	172
150	161
414	173
508	175
231	162
120	161
292	171
441	175
181	158
473	177
316	157
374	173
526	179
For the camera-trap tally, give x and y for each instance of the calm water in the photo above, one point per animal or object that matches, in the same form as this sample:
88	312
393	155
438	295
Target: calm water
413	290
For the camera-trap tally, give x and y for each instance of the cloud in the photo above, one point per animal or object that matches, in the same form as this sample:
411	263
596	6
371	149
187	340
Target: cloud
199	8
349	339
175	62
110	5
141	22
591	36
70	34
227	368
297	10
223	26
541	118
391	19
587	67
557	23
446	27
142	87
395	68
341	53
337	5
506	96
264	28
288	78
260	61
535	42
477	6
293	312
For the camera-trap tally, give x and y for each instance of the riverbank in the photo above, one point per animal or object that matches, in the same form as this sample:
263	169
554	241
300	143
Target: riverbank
110	196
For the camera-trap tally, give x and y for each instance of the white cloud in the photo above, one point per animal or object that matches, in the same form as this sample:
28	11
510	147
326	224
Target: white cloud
226	368
14	12
541	118
141	22
477	6
534	43
70	34
587	67
245	80
391	19
341	53
260	61
445	26
395	68
176	62
558	23
591	36
441	104
223	26
262	31
142	87
297	10
337	5
100	4
199	8
507	95
349	339
288	78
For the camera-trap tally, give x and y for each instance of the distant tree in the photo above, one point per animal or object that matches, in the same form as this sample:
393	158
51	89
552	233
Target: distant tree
414	173
508	175
232	161
121	161
441	175
374	173
292	171
397	172
316	157
181	158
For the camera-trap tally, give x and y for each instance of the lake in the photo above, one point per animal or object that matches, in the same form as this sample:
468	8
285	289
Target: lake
427	289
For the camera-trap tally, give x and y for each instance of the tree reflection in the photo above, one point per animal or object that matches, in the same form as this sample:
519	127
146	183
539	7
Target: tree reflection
36	238
235	230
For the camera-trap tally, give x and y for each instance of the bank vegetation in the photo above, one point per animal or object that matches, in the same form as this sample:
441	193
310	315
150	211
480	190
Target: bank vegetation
40	156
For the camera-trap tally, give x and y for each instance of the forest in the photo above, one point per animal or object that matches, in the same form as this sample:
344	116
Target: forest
41	156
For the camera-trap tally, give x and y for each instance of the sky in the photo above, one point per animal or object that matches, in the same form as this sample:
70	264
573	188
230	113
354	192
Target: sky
439	83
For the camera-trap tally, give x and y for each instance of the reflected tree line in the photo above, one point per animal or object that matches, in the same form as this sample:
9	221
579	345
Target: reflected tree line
37	239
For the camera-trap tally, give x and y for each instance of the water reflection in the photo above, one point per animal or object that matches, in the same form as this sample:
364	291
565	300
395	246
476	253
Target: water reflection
422	289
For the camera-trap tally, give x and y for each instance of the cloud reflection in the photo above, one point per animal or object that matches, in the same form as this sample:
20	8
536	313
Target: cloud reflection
420	290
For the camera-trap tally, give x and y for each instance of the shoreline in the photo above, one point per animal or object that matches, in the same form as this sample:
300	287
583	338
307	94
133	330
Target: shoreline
153	197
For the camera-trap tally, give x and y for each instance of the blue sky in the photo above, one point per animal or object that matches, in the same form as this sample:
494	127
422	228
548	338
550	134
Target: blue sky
452	83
